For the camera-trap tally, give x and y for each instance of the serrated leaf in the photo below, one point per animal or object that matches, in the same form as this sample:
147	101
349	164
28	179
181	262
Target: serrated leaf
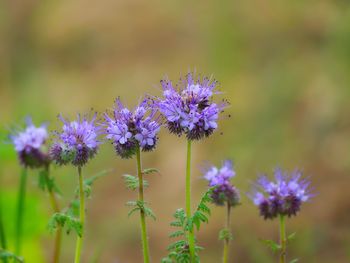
177	234
132	182
150	171
271	244
133	210
64	220
177	244
148	212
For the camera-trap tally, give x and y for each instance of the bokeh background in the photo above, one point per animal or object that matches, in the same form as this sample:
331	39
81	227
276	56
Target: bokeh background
283	65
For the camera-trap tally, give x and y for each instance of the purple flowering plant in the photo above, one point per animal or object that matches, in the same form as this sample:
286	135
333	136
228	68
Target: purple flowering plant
76	144
188	108
224	193
32	151
281	198
132	132
30	145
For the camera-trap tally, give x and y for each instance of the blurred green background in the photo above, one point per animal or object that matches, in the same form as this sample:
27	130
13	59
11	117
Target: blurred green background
283	65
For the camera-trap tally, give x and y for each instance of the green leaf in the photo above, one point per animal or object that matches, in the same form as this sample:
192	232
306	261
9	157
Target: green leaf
4	255
132	182
177	234
294	260
45	182
200	215
291	236
133	210
73	209
148	212
177	244
150	171
271	244
225	234
67	221
140	206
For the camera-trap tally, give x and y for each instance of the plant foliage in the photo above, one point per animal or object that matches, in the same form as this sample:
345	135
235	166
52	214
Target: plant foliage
179	250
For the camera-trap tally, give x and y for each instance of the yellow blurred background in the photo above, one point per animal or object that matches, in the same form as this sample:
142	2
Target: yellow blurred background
283	65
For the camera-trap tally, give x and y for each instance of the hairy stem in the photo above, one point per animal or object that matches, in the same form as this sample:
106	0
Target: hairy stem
145	246
188	199
283	240
82	217
20	212
227	239
56	209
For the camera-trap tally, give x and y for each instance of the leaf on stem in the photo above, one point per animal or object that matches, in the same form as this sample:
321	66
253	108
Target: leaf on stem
140	206
150	171
275	247
132	182
65	220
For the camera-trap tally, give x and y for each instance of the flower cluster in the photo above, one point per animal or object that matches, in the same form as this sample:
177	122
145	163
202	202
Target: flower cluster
283	196
223	190
190	109
29	145
129	130
77	143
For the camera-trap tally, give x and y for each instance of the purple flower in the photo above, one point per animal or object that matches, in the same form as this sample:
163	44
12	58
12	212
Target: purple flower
29	145
283	196
128	130
77	143
190	109
219	179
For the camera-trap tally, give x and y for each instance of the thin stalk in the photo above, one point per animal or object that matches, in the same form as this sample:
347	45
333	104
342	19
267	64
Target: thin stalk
79	243
188	199
20	211
3	243
56	209
283	240
227	239
145	247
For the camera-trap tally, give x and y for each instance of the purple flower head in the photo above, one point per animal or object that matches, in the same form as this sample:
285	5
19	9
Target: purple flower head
29	145
128	130
283	196
223	190
77	143
190	109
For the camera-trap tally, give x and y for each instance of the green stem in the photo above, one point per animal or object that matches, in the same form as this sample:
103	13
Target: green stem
56	209
188	199
82	217
3	243
227	240
20	211
283	240
146	257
